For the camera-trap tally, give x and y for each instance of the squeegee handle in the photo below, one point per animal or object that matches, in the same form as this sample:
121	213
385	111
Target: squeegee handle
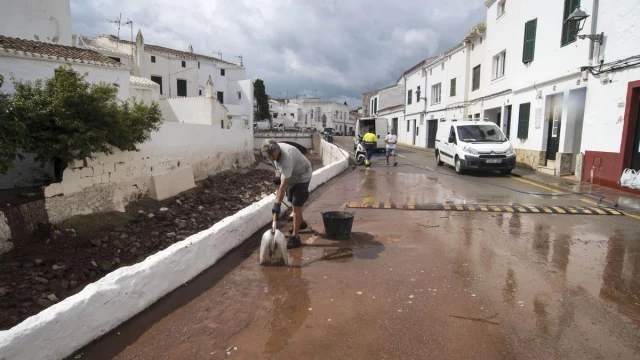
273	225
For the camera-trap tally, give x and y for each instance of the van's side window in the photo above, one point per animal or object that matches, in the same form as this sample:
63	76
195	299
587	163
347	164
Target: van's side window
452	135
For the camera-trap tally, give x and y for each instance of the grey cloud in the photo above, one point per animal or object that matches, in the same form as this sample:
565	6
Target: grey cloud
339	48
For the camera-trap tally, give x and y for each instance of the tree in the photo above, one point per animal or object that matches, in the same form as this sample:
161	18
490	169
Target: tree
12	134
261	111
69	119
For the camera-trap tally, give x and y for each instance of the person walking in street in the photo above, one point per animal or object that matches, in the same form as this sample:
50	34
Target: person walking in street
292	175
391	140
370	141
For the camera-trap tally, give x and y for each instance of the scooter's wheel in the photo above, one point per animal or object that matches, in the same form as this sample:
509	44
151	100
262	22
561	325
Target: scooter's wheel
360	159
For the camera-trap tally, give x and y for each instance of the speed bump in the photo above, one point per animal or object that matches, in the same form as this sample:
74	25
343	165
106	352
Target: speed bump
528	209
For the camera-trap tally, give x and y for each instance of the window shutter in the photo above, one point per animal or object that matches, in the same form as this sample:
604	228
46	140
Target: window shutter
569	28
523	121
529	40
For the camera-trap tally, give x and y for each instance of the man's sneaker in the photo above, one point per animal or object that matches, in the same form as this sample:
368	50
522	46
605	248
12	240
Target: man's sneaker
395	164
294	242
303	226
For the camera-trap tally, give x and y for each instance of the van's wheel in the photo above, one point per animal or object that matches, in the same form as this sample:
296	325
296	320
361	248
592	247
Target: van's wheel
505	171
438	161
458	166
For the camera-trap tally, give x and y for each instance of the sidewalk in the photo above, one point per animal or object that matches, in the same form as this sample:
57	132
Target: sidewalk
412	147
612	197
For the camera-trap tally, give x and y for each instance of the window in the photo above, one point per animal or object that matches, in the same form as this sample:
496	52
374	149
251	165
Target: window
476	78
436	94
375	105
292	115
275	115
523	121
221	97
409	97
529	47
311	114
473	46
501	7
221	124
336	114
407	125
452	87
222	73
498	65
239	95
116	59
305	118
182	87
198	64
452	135
184	64
200	92
480	133
157	80
418	94
153	59
569	30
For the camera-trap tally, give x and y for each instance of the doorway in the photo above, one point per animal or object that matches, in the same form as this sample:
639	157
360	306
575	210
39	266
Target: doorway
431	135
635	155
415	132
553	134
499	119
507	120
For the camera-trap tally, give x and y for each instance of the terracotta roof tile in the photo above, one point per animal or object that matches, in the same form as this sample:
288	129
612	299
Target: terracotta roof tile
56	51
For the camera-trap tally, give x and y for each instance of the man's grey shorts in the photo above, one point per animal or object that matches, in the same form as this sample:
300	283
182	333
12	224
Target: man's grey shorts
391	152
298	194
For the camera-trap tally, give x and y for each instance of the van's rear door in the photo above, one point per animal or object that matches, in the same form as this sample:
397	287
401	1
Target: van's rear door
382	129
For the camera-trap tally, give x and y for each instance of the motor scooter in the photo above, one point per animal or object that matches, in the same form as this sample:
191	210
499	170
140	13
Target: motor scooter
361	153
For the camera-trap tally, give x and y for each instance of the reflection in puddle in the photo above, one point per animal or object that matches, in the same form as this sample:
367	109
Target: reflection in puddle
542	321
515	227
621	275
510	288
541	241
561	251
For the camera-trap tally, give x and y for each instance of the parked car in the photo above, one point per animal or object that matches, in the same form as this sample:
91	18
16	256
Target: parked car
474	145
337	133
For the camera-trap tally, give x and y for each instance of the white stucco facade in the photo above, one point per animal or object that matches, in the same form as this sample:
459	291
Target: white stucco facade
40	20
320	113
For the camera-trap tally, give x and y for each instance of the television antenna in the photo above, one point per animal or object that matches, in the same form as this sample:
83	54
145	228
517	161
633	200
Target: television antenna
120	24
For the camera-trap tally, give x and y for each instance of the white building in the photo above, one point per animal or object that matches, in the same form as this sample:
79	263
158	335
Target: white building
46	21
321	114
611	128
285	112
412	131
180	73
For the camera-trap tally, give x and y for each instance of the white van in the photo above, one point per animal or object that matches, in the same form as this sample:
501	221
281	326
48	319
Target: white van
468	145
380	126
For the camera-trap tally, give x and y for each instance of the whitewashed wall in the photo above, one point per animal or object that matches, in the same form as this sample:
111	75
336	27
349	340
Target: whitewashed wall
46	21
606	101
193	110
170	68
109	182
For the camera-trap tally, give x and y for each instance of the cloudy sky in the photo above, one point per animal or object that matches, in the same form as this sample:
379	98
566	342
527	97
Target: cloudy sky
334	49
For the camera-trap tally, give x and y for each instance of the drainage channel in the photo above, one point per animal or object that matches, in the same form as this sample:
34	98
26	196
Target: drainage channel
562	210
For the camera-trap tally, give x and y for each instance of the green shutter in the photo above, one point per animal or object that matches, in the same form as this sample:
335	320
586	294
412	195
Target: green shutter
529	40
452	89
523	121
569	28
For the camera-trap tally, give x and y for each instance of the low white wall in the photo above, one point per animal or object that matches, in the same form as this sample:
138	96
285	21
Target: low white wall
27	172
58	331
110	182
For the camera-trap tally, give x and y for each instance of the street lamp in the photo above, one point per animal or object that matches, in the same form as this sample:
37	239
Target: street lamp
579	18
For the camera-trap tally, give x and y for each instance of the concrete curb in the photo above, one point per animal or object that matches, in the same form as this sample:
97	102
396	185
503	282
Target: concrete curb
63	328
429	151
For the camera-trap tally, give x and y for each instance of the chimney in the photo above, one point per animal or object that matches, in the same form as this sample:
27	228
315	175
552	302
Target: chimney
208	89
139	57
191	49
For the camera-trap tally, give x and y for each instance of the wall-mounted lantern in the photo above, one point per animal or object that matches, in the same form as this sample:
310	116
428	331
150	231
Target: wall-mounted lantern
579	18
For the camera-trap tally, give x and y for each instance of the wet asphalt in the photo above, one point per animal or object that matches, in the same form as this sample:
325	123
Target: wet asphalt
412	284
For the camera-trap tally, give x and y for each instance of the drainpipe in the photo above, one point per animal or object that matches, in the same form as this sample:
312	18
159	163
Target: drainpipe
594	25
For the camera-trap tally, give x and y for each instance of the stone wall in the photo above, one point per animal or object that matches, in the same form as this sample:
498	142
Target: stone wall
530	159
110	182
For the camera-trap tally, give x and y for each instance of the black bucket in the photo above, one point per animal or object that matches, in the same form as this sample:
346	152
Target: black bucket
337	224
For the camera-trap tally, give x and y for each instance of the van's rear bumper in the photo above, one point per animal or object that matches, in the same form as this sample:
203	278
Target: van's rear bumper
484	163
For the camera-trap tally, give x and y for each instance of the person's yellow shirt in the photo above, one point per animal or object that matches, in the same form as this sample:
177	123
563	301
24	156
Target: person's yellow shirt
369	138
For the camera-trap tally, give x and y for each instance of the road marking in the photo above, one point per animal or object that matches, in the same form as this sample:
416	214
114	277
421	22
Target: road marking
590	202
556	210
